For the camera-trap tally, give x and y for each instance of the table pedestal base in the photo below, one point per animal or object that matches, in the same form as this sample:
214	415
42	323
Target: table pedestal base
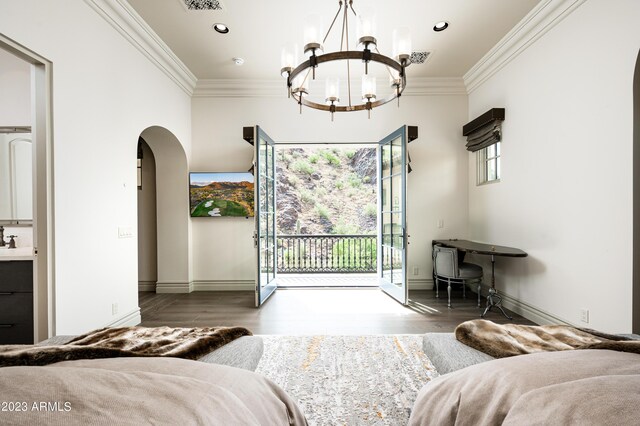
494	300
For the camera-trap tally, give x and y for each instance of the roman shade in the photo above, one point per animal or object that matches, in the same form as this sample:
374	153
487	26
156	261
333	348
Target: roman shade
485	130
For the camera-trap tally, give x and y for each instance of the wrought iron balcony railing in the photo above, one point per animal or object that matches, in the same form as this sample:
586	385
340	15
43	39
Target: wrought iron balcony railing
326	253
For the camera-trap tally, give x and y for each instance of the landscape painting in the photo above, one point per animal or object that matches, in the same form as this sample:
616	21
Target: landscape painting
221	194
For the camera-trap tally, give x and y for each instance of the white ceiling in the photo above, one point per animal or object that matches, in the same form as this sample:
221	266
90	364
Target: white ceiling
259	29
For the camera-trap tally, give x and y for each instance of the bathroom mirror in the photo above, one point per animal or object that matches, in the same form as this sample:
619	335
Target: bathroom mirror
16	176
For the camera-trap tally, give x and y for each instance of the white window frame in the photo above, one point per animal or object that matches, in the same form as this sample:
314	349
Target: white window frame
483	162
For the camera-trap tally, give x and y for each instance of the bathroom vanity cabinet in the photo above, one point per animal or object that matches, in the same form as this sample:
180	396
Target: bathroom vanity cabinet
16	301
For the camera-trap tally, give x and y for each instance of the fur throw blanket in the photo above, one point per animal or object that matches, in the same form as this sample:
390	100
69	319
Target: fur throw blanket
504	340
189	343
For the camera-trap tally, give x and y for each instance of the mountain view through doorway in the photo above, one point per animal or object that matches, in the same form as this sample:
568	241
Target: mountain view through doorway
326	216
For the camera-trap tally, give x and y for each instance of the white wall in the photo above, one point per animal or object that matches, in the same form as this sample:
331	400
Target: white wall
105	93
566	190
223	247
15	91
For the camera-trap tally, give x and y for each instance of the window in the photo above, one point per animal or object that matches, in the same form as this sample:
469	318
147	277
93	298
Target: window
489	164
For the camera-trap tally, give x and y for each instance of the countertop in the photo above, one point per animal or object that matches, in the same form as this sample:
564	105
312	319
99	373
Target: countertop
20	253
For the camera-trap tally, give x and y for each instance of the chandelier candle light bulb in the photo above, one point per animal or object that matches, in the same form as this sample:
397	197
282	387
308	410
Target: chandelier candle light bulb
402	46
368	91
298	76
366	29
313	35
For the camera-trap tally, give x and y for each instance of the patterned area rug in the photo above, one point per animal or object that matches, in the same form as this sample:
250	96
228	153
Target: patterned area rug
349	380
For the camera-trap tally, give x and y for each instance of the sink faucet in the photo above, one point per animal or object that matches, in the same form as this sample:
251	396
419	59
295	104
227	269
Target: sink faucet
12	242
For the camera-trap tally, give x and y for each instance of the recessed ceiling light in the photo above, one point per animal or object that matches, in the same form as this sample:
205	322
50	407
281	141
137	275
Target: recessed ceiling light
440	26
221	28
238	61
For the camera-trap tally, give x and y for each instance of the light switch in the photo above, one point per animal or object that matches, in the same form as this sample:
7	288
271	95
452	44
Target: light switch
125	232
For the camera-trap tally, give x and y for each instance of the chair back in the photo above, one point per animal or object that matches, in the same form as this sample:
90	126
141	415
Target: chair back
445	261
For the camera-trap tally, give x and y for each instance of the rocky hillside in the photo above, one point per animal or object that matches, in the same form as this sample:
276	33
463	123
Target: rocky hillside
326	190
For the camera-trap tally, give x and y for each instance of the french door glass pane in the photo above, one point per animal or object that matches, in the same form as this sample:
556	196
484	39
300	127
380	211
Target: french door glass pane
385	194
396	193
386	229
386	263
396	156
397	237
386	160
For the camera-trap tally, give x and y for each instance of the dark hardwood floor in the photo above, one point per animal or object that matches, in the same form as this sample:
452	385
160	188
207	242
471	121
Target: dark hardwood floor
315	311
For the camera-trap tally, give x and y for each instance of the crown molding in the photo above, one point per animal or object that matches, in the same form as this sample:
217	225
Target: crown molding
124	19
426	86
236	88
542	18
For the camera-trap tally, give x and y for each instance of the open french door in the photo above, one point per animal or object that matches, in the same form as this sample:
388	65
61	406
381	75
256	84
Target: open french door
392	216
265	215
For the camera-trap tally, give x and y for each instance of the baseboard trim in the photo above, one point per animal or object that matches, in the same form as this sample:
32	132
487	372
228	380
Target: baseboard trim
224	285
174	287
130	319
421	284
146	286
530	312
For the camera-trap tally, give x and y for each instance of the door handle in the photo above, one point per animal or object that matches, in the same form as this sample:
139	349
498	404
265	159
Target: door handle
255	239
6	325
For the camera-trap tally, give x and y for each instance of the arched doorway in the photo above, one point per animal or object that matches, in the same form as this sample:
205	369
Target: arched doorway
166	175
636	199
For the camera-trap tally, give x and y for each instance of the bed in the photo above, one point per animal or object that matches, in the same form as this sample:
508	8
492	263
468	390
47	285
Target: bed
585	387
142	391
581	386
142	375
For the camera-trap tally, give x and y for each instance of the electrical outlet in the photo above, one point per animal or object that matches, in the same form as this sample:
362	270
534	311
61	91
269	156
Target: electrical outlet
125	232
114	309
584	315
415	270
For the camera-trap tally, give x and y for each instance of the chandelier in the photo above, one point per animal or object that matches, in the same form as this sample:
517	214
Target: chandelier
299	75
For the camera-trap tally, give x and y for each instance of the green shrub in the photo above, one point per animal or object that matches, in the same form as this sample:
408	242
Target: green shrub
322	211
313	159
366	179
345	228
370	210
349	154
331	158
307	196
361	255
354	180
303	167
286	158
294	181
321	192
339	184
